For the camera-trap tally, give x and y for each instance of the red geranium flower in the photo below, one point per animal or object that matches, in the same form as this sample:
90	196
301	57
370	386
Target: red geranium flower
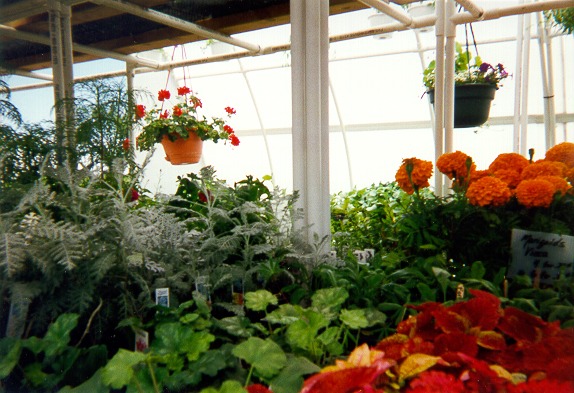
164	115
230	110
177	111
228	129
126	144
196	102
234	139
140	111
181	91
163	95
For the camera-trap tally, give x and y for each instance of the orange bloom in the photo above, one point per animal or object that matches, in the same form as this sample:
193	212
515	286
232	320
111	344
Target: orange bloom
535	193
420	174
455	165
478	174
562	152
543	168
558	182
512	161
509	176
570	175
488	191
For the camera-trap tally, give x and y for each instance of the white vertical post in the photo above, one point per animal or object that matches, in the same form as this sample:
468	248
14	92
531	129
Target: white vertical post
58	75
450	33
310	101
68	81
439	93
524	96
545	46
518	82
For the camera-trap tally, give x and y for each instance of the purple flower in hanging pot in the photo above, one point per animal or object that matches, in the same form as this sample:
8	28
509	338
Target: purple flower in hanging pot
484	67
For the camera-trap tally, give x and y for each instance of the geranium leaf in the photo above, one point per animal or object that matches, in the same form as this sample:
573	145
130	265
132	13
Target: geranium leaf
327	301
290	379
236	326
302	332
119	370
264	355
259	300
285	314
355	319
416	364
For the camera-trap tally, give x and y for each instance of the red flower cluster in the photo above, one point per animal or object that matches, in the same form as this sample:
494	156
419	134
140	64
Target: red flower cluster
470	346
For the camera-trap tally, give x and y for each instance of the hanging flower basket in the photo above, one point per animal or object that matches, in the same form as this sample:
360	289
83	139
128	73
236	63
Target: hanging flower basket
471	104
182	151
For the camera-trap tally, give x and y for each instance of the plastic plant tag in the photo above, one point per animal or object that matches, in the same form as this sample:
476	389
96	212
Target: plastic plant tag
162	297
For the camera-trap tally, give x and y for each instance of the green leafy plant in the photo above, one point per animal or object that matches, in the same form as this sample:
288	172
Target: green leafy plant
468	70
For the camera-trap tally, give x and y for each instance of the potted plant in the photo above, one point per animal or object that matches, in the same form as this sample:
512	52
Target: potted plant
182	131
420	9
475	84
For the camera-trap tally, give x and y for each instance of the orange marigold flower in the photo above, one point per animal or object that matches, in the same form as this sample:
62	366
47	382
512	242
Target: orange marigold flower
488	191
570	175
512	161
509	176
535	193
455	165
421	171
560	184
163	95
543	168
562	152
478	174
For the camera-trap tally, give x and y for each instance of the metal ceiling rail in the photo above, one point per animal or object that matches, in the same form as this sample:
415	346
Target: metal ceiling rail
168	20
496	13
393	12
40	39
26	8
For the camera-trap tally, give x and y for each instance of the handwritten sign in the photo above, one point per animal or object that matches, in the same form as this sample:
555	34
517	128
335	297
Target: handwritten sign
542	256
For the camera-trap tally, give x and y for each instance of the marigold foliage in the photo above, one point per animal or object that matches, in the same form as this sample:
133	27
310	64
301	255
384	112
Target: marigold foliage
535	193
488	191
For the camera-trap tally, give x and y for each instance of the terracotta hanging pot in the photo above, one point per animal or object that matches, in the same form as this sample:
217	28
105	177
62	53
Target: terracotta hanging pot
183	151
471	104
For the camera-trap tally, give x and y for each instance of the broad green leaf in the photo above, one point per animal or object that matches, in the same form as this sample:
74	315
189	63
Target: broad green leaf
427	293
290	379
92	385
285	314
58	335
301	333
174	338
39	378
226	387
188	318
354	319
210	363
119	370
264	355
329	338
259	300
477	271
375	317
236	326
328	301
10	350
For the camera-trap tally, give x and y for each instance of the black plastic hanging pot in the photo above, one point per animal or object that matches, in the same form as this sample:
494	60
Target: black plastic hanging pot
471	104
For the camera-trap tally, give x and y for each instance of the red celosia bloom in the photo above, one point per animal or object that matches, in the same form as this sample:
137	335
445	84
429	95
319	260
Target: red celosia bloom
257	388
435	381
177	111
163	95
488	191
234	139
560	184
456	165
126	144
228	129
230	110
513	161
543	168
181	91
510	176
562	152
196	102
535	193
140	111
420	173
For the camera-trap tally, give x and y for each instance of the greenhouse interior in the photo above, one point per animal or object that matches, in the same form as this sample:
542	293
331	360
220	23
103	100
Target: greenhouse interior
187	203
